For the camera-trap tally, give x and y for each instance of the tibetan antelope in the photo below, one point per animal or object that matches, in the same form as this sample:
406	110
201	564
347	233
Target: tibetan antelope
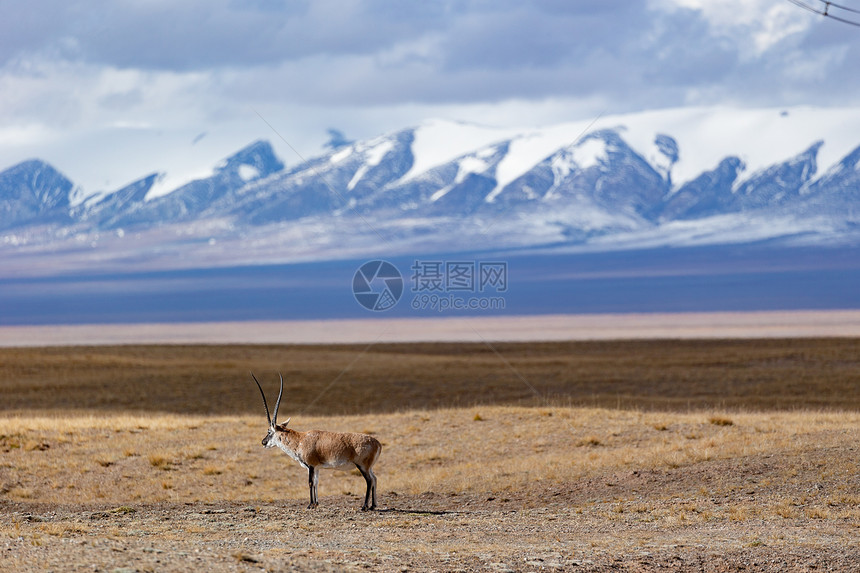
317	449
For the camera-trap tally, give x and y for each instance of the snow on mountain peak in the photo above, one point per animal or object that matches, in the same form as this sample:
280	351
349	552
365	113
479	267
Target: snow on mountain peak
248	172
759	137
469	165
440	141
374	153
339	156
590	152
171	181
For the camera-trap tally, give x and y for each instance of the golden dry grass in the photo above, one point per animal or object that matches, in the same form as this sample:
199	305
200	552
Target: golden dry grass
122	459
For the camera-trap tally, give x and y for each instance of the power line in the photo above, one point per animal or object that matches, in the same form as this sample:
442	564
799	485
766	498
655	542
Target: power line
824	8
846	8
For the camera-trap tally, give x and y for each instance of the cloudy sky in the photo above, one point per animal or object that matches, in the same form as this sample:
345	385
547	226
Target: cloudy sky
110	90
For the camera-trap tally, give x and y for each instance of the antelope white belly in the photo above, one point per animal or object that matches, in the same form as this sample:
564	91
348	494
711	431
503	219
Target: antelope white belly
338	464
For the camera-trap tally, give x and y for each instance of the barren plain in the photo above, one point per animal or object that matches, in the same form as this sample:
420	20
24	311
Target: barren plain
636	455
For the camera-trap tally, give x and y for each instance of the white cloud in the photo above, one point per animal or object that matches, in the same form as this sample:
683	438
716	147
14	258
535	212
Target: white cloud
818	66
24	135
756	24
780	21
92	93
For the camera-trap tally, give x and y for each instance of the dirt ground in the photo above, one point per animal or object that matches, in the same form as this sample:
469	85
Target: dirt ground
713	516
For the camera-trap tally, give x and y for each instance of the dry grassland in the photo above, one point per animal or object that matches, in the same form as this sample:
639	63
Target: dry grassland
712	462
334	380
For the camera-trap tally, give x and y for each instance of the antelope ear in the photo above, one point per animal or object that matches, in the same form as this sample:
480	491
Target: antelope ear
287	422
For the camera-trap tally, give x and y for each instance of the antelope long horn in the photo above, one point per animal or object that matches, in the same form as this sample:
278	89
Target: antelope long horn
265	405
278	403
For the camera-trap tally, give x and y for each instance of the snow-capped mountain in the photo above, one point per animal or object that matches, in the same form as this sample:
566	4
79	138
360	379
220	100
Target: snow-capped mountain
690	176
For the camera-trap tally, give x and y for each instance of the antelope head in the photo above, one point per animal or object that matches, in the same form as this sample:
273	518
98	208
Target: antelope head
269	441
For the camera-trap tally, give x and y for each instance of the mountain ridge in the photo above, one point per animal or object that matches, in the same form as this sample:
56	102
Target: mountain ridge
408	190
